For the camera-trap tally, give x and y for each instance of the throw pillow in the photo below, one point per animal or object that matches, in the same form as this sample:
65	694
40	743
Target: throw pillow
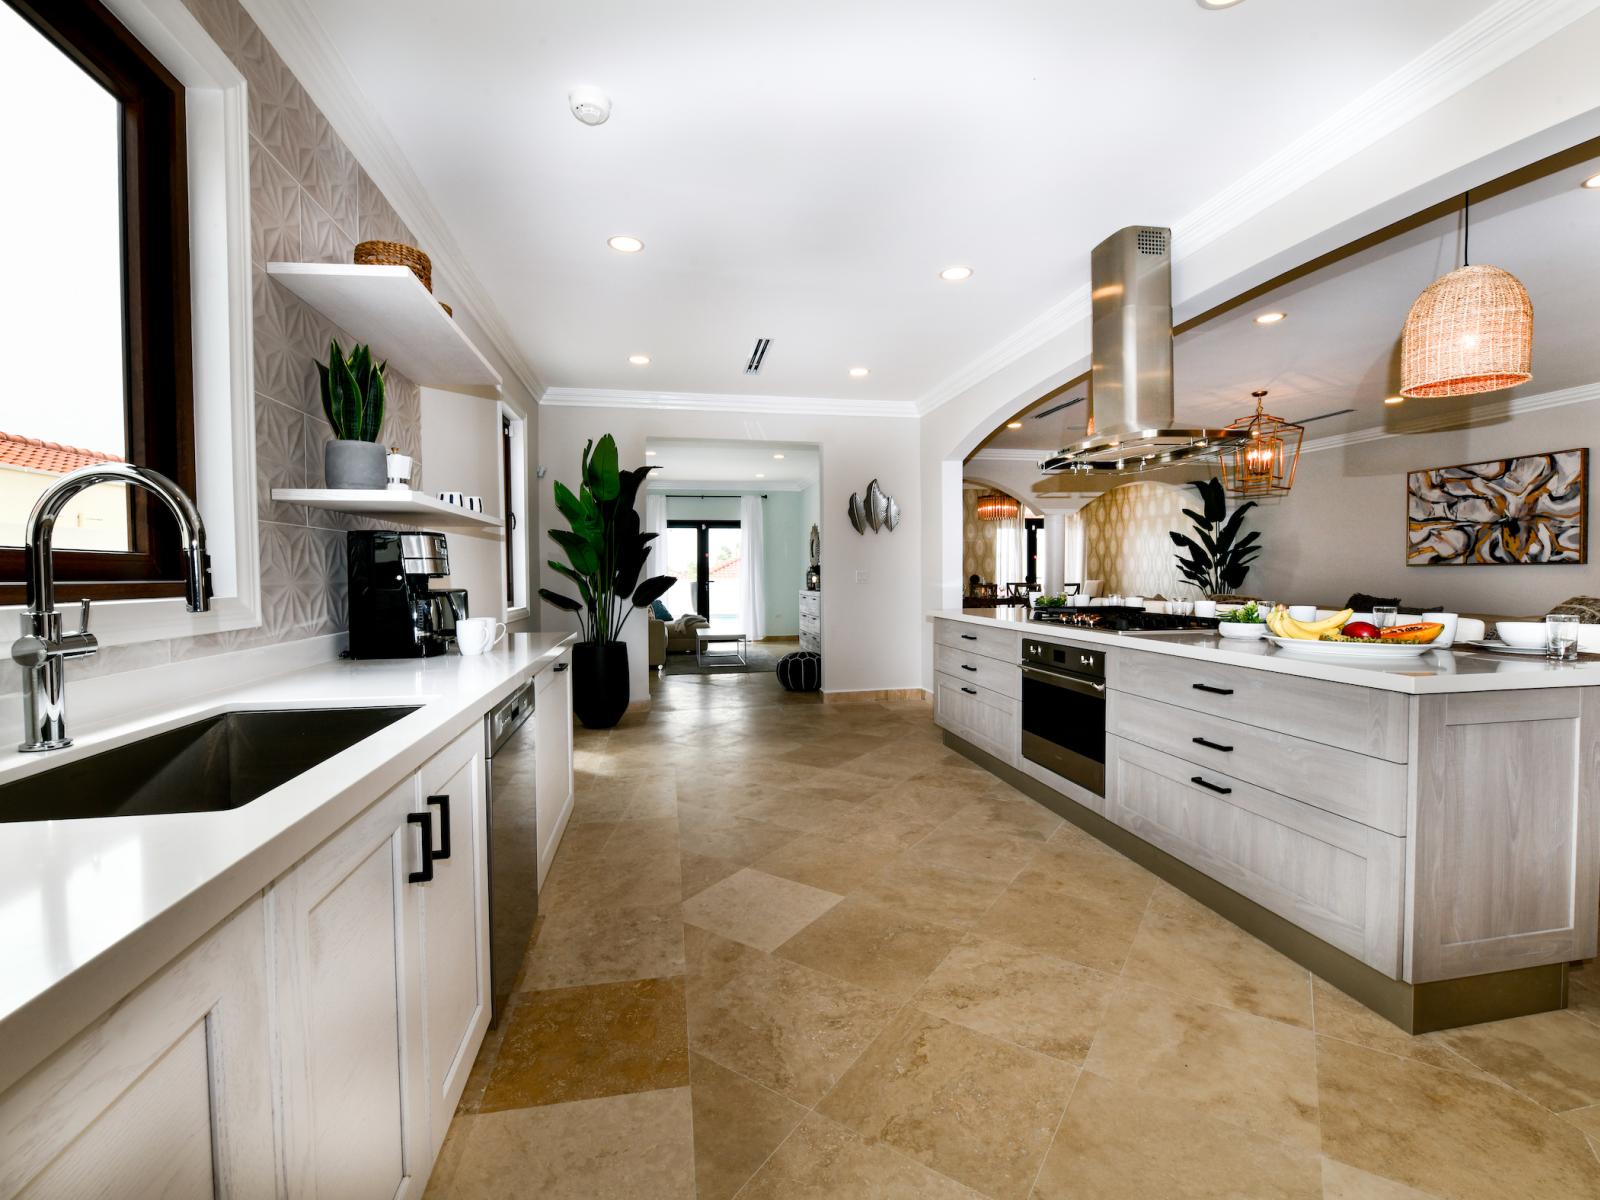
659	611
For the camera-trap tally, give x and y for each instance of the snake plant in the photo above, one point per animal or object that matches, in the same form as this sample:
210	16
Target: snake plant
352	393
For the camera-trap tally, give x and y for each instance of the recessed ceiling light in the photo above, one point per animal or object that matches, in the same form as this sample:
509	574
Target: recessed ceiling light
639	360
955	274
858	372
649	453
1392	400
1216	4
777	456
1013	424
1270	318
1592	182
759	475
624	244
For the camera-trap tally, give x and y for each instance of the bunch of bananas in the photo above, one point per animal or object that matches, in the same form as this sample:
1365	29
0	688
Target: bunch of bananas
1281	624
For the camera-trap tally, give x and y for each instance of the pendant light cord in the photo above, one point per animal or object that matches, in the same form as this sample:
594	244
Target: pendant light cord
1466	228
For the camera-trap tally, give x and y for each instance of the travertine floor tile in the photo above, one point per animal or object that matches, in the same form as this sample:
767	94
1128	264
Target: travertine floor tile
737	840
617	1148
1040	1003
871	945
1343	1182
932	892
700	871
1340	1016
1020	818
737	1125
600	944
582	1042
1551	1057
757	909
787	1027
976	1109
1235	1067
826	862
1036	914
1120	1143
1185	947
1444	1132
996	856
823	1161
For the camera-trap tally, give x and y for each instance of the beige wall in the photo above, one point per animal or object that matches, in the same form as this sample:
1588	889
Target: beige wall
977	538
1343	528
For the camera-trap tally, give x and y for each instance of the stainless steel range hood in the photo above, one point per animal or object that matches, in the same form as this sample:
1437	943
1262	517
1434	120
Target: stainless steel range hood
1130	391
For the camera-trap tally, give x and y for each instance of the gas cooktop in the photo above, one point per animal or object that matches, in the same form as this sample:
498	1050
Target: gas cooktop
1121	619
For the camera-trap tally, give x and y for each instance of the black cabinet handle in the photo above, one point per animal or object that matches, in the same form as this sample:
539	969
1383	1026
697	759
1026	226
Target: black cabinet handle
1221	791
968	667
1212	745
1215	691
969	637
444	827
970	691
560	667
425	819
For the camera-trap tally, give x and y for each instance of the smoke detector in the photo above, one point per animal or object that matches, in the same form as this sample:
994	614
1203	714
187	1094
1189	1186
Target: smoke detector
589	105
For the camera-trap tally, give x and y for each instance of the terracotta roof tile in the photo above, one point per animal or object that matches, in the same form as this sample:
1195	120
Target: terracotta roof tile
34	454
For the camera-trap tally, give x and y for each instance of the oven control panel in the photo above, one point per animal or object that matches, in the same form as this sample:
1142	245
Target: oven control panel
1054	656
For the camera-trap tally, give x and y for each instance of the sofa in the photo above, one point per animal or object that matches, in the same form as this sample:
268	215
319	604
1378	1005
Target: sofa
676	636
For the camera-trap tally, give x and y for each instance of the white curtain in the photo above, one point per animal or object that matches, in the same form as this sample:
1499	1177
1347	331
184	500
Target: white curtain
752	575
1010	549
1075	548
655	521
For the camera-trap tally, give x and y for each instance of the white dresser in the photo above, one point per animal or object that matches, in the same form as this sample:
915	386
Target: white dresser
811	621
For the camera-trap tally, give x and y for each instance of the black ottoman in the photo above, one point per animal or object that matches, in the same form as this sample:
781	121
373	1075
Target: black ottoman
800	671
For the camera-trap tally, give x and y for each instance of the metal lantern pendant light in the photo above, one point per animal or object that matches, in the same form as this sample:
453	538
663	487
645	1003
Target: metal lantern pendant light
1471	331
1263	453
997	506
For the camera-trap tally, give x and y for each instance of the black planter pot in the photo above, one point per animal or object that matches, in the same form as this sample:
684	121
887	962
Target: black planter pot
600	683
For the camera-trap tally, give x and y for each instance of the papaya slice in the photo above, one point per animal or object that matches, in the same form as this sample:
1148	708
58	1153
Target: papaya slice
1419	633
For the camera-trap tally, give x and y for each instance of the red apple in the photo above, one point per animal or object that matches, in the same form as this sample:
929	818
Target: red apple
1361	629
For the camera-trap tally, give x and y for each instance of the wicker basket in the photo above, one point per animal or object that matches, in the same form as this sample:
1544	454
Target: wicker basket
1471	331
396	254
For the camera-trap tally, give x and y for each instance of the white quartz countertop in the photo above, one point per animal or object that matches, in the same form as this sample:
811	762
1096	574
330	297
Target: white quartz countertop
89	909
1437	671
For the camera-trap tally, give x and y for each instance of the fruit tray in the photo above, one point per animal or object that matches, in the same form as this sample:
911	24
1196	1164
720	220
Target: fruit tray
1351	651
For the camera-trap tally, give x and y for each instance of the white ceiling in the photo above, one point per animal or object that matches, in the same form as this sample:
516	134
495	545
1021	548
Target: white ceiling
679	462
1339	346
802	171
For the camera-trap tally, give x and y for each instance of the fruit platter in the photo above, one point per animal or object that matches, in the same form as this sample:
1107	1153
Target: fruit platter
1341	636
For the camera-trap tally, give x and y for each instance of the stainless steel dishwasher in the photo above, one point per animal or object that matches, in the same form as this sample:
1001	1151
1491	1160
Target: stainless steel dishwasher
513	841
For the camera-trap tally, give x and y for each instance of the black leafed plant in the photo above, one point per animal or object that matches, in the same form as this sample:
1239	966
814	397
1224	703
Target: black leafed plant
352	393
1216	559
604	545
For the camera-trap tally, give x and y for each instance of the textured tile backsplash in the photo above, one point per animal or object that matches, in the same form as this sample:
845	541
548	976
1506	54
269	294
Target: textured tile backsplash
310	201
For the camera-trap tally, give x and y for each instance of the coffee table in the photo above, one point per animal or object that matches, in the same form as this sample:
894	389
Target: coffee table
707	637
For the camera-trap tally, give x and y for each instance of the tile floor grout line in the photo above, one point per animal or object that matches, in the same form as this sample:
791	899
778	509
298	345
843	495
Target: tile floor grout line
1072	1091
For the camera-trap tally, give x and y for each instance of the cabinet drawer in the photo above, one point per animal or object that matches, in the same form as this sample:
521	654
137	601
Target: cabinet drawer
976	670
451	759
1366	720
1369	790
987	719
810	641
978	639
1338	880
811	602
810	622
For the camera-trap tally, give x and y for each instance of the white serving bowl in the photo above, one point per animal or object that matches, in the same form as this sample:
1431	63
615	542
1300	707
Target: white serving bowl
1525	635
1242	629
1589	638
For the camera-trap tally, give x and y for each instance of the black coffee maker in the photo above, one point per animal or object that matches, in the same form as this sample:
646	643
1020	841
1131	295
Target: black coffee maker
395	612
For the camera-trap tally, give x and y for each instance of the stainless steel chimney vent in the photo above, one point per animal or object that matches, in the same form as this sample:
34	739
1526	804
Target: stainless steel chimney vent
1130	387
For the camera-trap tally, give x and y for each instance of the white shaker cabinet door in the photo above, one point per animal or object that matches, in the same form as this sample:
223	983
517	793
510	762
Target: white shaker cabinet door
552	721
349	1010
168	1096
453	955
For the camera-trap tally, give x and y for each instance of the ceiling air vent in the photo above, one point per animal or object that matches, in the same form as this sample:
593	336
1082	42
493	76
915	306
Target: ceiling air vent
1050	412
757	356
1338	412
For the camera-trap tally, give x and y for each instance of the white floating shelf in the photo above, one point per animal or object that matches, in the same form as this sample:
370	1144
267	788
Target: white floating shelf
405	508
390	310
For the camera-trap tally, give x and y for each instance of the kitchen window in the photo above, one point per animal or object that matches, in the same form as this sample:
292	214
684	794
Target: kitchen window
95	320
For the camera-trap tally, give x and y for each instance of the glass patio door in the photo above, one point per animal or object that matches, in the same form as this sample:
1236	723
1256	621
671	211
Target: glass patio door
707	559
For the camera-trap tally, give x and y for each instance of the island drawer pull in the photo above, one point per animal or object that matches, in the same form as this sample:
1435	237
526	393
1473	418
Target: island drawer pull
968	667
1200	741
1215	691
970	691
969	637
444	827
425	819
1219	790
559	667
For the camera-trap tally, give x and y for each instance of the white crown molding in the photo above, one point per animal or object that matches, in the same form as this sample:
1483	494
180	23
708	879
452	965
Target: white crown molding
1515	407
734	488
1488	41
803	406
300	40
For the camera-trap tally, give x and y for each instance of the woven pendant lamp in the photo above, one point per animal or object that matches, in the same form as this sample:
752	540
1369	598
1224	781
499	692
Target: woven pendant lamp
1470	331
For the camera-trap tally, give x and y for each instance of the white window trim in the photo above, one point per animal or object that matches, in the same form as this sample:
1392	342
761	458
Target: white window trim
220	299
517	502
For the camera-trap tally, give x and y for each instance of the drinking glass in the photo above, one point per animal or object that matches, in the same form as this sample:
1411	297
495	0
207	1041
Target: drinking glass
1561	635
1384	615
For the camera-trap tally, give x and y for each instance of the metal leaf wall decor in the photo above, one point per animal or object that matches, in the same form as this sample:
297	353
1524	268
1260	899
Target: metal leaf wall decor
877	506
858	513
879	510
891	518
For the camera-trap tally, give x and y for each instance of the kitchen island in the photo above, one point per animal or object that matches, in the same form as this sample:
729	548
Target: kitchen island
298	984
1423	834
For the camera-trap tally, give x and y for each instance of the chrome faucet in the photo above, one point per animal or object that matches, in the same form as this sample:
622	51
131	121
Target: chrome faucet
43	649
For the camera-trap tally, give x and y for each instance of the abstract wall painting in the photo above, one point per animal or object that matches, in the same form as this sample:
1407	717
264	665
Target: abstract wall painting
1506	511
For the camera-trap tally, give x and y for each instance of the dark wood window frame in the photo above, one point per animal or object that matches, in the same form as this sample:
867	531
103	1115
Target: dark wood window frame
158	387
507	484
702	590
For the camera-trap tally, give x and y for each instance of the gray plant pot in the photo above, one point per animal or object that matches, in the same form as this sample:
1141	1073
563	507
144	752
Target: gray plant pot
354	464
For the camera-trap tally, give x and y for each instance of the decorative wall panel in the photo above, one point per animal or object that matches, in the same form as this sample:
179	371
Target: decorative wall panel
1126	542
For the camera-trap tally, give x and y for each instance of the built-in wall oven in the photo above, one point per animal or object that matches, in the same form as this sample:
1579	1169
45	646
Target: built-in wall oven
1064	711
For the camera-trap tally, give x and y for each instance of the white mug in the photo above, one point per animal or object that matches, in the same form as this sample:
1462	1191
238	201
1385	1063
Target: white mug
476	635
1205	608
1303	612
451	497
475	504
1449	620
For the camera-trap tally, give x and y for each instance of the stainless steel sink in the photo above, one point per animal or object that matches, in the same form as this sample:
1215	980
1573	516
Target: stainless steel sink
213	765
